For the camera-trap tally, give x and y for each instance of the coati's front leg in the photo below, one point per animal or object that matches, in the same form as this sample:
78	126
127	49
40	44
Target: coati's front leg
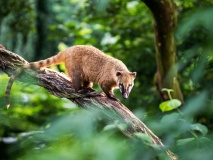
108	90
88	85
80	85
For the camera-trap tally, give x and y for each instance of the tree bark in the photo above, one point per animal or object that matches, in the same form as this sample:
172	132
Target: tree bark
164	12
59	85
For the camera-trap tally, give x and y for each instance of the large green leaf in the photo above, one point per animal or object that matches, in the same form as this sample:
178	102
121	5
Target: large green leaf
144	137
199	127
185	141
170	105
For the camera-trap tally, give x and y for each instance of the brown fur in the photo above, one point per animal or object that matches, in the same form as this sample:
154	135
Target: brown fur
86	64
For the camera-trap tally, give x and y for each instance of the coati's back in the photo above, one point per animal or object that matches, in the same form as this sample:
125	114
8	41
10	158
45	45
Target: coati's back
86	60
92	63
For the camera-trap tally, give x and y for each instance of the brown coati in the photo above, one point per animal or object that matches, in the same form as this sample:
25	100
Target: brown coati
85	65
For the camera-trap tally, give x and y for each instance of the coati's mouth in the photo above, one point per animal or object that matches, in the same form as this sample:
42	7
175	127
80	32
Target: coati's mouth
123	91
125	95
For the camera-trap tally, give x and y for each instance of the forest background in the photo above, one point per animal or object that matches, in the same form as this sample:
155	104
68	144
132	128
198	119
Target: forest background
38	122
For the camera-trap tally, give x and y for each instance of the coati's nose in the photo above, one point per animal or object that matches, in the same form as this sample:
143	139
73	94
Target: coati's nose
125	95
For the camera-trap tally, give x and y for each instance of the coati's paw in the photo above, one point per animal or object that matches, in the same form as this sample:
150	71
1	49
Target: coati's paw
91	92
86	90
90	89
111	96
83	91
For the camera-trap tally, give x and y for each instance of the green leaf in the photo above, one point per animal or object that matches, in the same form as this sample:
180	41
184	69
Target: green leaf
175	103
146	138
165	107
122	126
157	147
184	141
116	125
170	105
199	127
110	127
170	118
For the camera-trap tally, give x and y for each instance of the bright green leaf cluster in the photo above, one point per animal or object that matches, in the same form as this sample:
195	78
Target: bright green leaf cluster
171	104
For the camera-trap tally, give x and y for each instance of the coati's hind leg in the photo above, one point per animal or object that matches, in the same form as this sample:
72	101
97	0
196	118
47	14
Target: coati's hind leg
76	80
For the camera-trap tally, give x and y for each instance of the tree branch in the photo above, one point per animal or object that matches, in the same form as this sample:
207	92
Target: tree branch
59	85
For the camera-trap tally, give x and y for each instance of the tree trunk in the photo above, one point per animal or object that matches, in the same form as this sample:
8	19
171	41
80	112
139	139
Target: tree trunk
60	86
164	12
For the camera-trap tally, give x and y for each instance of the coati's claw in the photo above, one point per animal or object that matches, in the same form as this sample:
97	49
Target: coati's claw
90	89
90	92
85	90
111	96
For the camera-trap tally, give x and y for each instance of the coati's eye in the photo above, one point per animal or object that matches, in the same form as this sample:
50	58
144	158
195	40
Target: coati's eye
130	85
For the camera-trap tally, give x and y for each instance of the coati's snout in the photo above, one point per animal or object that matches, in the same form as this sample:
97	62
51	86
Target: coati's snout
123	91
126	82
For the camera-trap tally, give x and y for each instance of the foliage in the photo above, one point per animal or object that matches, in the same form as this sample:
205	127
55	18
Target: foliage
170	104
41	126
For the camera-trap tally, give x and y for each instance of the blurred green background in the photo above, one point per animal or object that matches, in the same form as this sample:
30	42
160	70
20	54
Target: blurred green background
41	126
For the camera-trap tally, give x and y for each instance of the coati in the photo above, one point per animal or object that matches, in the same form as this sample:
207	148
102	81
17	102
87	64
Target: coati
85	65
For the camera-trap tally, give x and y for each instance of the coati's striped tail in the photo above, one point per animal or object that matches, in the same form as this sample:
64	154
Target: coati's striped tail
54	60
57	59
9	85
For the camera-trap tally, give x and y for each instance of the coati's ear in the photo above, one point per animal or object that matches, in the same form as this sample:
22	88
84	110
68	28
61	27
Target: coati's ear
134	74
118	73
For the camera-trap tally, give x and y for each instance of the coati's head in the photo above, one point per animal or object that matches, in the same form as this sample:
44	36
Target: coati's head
125	82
